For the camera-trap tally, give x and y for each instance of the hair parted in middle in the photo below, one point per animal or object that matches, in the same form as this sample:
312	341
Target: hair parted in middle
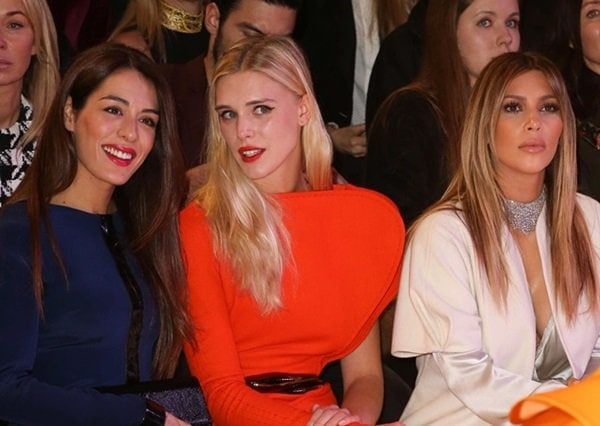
246	222
475	186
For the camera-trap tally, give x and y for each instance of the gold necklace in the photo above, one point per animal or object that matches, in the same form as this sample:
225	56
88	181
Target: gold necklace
179	20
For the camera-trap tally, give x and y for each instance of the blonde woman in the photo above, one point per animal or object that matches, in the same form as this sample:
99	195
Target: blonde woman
498	296
286	271
28	80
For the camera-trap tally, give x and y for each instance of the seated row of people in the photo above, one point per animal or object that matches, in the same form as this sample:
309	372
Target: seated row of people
250	159
90	269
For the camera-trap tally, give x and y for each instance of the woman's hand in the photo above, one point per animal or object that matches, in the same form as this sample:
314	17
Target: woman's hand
171	420
331	415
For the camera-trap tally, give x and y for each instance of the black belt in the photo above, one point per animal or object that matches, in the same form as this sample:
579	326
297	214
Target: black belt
283	383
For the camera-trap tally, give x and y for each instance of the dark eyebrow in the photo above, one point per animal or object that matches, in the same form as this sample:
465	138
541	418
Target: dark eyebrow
491	12
522	98
486	12
249	26
126	102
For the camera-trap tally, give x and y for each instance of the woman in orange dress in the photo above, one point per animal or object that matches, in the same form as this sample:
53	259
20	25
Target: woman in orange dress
287	272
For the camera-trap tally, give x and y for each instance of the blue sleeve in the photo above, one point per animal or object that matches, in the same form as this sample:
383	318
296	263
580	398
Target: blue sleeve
23	399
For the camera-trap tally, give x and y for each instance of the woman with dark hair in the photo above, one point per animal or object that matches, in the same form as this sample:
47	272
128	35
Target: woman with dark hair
499	291
580	20
413	140
91	279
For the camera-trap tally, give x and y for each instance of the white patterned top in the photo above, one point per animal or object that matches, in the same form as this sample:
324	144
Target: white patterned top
15	160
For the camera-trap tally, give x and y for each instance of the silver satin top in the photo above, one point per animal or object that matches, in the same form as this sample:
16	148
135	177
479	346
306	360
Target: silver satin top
550	359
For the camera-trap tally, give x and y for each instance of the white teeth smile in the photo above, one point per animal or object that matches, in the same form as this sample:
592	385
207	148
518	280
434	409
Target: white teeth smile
251	153
117	153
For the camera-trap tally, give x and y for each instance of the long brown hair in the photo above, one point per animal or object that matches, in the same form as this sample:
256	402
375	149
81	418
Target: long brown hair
476	188
148	203
442	63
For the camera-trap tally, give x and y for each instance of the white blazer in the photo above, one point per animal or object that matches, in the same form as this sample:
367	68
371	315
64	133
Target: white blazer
476	359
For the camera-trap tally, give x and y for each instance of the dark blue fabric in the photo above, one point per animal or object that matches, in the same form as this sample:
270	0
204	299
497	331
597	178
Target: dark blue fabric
49	366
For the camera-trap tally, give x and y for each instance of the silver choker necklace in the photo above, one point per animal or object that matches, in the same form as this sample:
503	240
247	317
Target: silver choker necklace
524	216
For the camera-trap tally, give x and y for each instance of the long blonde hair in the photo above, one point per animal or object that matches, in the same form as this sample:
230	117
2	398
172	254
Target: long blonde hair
42	78
476	188
245	222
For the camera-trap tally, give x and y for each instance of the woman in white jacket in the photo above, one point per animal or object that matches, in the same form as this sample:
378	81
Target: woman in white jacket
498	296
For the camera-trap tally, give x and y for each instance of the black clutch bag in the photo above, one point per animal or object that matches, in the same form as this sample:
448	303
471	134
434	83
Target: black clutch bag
181	397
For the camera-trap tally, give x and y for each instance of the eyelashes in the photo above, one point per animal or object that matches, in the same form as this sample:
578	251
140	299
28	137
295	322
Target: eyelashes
515	107
551	107
512	107
261	109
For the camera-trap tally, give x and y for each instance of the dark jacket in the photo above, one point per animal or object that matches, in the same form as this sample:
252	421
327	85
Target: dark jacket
407	153
189	86
327	34
398	60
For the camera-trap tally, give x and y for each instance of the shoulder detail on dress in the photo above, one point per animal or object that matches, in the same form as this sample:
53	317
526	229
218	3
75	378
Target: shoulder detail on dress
192	219
446	222
590	208
586	202
345	196
192	211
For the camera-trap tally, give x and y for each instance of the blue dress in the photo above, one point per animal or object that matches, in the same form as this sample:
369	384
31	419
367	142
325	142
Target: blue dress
50	364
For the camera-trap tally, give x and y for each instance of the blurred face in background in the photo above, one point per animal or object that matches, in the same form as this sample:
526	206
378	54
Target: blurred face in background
248	18
486	29
589	24
16	42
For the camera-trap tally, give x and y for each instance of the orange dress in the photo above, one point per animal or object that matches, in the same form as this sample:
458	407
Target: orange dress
571	406
347	244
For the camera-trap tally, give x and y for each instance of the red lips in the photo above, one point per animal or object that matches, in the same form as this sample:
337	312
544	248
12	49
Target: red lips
120	155
250	153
